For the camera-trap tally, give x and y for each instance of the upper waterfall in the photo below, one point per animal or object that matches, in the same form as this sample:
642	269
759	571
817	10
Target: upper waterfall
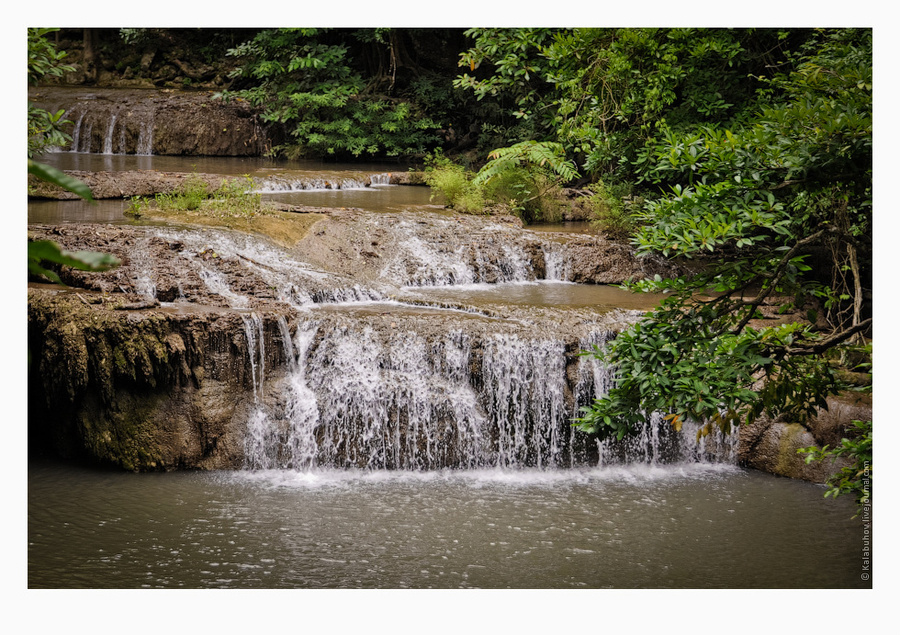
154	122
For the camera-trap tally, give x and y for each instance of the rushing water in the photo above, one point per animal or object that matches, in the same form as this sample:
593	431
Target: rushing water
688	526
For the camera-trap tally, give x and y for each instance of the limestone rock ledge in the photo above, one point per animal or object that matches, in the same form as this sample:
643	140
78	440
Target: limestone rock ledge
141	390
771	445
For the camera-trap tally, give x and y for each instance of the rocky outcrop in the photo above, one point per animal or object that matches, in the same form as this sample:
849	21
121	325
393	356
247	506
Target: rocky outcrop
161	122
142	390
125	184
771	445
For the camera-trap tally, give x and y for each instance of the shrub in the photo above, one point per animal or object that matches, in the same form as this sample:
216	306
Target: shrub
612	208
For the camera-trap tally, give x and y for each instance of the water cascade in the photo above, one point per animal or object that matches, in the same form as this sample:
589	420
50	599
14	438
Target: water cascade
150	122
356	396
301	182
410	341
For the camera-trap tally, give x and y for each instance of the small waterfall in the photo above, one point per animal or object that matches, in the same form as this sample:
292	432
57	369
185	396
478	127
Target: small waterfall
85	137
253	330
283	183
555	263
108	138
76	133
144	145
380	179
524	393
143	278
124	131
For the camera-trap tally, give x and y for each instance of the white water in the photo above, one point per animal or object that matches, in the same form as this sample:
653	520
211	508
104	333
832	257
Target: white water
145	137
314	181
356	398
108	139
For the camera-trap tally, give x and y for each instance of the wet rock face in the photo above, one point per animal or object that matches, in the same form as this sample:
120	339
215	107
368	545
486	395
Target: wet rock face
163	122
771	446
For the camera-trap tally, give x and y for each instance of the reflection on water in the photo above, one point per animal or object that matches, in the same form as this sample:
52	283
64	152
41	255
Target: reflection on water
541	293
78	211
689	526
377	198
209	165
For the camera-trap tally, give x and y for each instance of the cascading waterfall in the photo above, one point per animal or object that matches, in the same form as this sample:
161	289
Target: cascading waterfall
524	398
355	397
118	126
425	264
302	183
108	139
145	137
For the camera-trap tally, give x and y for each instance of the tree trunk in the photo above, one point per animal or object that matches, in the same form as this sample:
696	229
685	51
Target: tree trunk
89	56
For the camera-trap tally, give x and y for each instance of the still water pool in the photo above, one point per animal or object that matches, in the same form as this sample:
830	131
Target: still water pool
684	526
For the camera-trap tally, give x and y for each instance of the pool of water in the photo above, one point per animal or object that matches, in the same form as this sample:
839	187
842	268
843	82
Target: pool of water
539	293
682	526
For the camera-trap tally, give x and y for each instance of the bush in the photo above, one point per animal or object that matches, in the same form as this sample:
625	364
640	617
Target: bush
612	209
523	179
454	183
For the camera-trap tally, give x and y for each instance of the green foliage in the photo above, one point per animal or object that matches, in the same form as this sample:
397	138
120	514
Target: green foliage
602	93
233	198
613	209
44	128
455	184
756	203
43	58
524	178
534	155
527	177
856	478
307	84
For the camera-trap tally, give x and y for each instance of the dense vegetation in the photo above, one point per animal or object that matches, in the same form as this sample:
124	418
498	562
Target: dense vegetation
748	151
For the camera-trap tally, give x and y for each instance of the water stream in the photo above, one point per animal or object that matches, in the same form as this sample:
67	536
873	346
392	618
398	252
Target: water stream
386	461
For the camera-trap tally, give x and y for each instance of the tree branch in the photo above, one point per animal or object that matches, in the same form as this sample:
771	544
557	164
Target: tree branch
775	276
823	345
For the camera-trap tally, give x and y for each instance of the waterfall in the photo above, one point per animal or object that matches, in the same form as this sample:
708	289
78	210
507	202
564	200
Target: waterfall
76	133
143	277
124	131
282	183
357	397
145	137
555	264
524	393
253	330
108	138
